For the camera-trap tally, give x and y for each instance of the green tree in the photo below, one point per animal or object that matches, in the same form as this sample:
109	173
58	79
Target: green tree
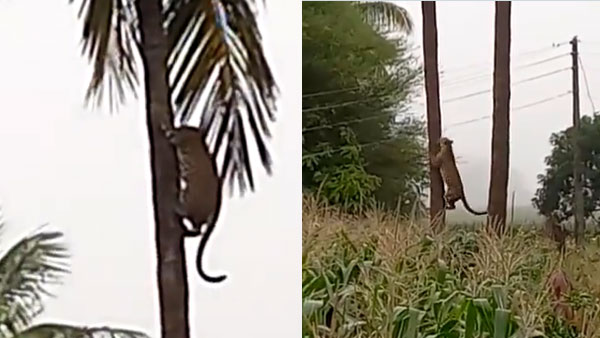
28	268
188	50
555	193
387	17
360	142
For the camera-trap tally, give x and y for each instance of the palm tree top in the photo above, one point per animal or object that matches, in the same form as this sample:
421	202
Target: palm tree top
216	65
386	16
28	268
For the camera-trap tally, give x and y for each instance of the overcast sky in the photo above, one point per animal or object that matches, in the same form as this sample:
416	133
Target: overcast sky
87	173
466	51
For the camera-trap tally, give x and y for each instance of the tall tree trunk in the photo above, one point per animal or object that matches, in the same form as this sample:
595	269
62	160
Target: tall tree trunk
172	275
434	124
501	119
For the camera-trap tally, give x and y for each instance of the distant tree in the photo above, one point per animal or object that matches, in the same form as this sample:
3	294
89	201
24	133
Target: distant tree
555	193
28	268
386	16
360	143
501	118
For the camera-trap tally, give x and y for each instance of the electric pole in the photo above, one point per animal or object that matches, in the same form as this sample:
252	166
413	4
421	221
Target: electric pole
577	170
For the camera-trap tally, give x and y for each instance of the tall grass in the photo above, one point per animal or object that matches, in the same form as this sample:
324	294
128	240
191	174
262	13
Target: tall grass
384	276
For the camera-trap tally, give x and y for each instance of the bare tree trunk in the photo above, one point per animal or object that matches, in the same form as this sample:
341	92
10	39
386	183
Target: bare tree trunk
171	269
434	124
501	119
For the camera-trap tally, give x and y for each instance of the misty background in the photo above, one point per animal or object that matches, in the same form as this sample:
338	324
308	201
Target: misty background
539	107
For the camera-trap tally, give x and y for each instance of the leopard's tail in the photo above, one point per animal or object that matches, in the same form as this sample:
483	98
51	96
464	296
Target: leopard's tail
204	240
469	209
201	247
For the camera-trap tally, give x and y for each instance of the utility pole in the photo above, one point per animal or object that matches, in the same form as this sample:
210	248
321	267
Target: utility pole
577	170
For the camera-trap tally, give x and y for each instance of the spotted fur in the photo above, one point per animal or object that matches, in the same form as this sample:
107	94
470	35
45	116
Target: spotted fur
200	194
445	161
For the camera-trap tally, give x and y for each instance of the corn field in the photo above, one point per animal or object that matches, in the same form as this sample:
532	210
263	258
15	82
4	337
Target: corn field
380	275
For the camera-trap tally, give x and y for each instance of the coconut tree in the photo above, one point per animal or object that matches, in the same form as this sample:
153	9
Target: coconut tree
434	123
28	268
386	16
194	55
501	119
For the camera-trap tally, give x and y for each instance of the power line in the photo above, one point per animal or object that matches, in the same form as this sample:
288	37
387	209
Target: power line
482	76
344	104
485	117
541	76
337	124
350	103
358	120
512	84
360	146
542	101
518	55
334	91
442	72
587	87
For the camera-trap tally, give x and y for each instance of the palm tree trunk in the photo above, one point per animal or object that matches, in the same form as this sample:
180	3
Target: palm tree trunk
172	276
434	124
501	119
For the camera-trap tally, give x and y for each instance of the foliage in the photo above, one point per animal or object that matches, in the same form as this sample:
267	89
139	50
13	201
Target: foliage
346	182
357	88
215	51
383	276
28	268
556	184
385	16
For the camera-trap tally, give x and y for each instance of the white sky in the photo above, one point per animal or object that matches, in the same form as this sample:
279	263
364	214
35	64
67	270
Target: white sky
466	49
87	173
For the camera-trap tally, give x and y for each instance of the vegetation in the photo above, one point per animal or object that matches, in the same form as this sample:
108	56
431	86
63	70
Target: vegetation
360	142
383	275
380	273
556	184
28	269
187	49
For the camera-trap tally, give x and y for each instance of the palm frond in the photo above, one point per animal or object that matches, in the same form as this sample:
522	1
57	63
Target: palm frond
386	16
110	38
69	331
31	265
217	59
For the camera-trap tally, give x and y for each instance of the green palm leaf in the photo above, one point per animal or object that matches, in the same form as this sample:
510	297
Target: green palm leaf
219	59
27	269
109	37
68	331
386	16
217	65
